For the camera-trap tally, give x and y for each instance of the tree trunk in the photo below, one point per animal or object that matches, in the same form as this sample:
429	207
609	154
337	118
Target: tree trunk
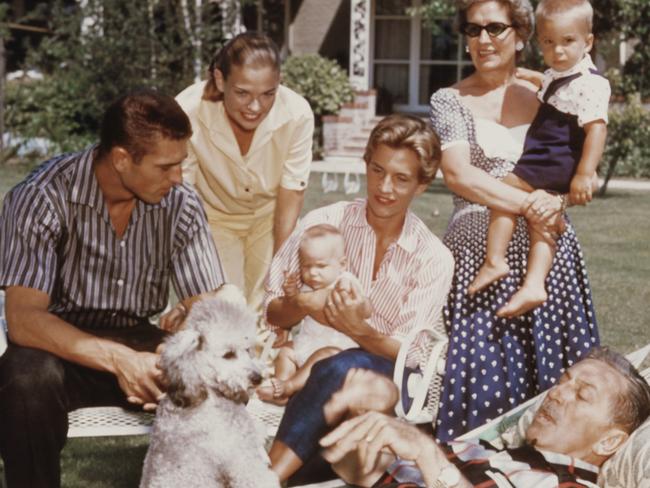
608	176
2	93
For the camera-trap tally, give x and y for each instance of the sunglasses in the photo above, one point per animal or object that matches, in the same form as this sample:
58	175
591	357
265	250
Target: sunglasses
493	29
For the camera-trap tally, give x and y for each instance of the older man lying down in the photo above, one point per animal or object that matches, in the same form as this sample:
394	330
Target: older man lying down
585	418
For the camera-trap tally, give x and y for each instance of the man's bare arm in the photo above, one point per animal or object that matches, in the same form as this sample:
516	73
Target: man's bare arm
287	311
31	325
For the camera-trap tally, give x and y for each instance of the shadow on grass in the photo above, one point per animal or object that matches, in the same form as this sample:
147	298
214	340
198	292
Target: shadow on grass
111	462
101	462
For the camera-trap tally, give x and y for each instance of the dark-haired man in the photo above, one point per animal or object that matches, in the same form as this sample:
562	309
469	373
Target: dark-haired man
583	420
88	245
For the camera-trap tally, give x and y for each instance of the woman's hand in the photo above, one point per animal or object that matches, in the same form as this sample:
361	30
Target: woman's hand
531	76
544	213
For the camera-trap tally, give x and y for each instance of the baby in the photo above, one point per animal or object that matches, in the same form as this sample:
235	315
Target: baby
322	265
563	145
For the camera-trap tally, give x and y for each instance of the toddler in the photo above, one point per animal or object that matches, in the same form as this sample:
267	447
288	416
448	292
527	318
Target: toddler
322	264
563	145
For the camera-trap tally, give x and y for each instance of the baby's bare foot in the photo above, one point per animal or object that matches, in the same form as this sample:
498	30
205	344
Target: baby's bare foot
274	392
488	274
526	299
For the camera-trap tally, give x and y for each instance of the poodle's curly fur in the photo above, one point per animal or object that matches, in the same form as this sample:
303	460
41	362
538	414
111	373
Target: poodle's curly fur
202	435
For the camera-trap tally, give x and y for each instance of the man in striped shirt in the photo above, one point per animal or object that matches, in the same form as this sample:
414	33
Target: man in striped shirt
404	270
88	245
583	420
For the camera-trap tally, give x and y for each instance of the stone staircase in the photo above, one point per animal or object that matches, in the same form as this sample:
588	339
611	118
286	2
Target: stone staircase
345	135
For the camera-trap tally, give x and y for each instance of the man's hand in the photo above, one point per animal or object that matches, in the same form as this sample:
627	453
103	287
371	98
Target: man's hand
174	319
581	189
346	309
362	390
373	432
139	378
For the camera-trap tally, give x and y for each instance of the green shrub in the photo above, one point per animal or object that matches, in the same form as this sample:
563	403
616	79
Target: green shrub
320	80
627	152
323	83
128	48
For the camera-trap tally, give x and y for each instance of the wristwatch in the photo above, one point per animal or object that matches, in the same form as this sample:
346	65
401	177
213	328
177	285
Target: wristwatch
448	477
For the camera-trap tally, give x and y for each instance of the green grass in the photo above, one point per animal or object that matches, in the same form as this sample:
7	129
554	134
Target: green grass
615	236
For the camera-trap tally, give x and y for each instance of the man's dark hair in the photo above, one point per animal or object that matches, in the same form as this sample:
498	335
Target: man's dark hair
632	406
134	121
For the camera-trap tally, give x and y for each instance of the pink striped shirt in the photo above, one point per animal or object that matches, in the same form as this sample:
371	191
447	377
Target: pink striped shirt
413	279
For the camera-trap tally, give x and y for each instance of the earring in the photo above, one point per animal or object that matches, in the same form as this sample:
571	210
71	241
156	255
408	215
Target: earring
519	46
466	48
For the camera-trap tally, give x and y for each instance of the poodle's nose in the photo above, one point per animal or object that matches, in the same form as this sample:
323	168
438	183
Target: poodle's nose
255	378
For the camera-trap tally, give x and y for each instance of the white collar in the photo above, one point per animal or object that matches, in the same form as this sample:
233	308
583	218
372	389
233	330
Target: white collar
583	66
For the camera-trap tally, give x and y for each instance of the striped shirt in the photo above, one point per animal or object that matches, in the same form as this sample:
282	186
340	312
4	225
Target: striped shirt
414	275
56	236
485	466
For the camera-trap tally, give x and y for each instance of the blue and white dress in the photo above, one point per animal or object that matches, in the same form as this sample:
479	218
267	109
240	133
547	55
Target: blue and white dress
495	363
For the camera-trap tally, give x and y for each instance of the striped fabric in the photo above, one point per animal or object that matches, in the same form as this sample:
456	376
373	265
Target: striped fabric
413	279
485	466
56	236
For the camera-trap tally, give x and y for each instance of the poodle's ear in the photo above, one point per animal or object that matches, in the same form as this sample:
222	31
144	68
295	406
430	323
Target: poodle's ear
185	386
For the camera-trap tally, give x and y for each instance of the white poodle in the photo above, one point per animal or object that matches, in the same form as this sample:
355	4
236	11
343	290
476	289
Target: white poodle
202	435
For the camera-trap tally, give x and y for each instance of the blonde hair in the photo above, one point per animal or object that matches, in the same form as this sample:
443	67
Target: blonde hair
521	15
405	131
581	8
247	48
322	231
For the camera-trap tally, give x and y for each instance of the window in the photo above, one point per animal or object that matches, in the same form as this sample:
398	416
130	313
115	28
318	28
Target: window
409	61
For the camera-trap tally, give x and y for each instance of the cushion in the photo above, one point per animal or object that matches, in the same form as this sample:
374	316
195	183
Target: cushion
630	466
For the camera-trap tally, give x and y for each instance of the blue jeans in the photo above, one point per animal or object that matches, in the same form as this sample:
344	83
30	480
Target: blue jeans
303	423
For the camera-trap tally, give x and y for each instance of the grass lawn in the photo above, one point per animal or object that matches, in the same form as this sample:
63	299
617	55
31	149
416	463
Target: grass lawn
615	235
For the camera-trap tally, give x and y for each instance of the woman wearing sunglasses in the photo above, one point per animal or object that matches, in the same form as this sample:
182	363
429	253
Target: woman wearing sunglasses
495	363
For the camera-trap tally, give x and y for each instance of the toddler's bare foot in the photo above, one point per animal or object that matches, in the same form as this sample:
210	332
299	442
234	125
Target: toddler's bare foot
488	274
275	392
526	299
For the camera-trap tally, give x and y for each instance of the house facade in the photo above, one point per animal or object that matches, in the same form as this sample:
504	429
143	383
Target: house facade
384	46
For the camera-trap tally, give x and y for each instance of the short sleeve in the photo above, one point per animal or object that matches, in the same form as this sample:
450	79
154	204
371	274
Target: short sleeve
196	267
295	173
30	231
592	97
447	119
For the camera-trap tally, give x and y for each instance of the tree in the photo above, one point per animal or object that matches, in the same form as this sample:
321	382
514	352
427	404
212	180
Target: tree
100	49
3	35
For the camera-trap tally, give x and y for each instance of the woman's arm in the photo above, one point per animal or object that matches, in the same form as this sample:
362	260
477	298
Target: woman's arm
287	209
474	184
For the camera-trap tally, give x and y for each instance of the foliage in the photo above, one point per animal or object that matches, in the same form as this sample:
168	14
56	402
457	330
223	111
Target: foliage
626	20
631	20
322	82
96	53
627	152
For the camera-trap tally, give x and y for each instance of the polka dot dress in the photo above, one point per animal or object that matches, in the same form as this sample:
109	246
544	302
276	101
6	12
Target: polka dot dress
493	363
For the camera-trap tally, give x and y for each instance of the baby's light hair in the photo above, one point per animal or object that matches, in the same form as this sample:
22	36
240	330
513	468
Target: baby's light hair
581	8
318	231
